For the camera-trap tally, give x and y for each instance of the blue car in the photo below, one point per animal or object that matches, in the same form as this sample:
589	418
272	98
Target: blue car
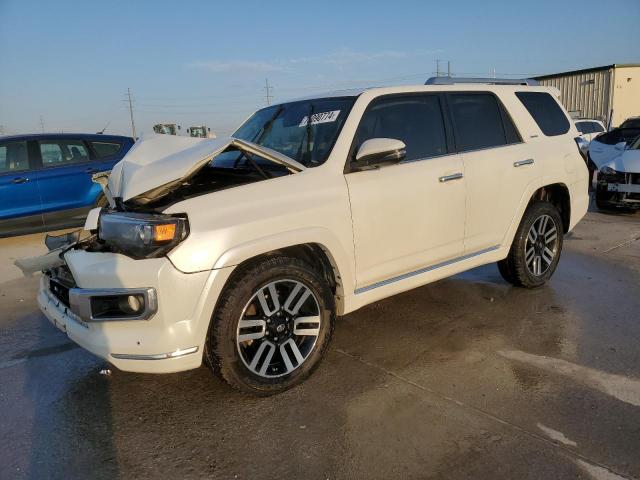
45	180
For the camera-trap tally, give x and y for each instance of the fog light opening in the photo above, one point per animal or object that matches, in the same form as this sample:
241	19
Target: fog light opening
132	304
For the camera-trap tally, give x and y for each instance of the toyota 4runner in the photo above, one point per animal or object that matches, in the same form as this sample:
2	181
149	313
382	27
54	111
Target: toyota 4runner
242	251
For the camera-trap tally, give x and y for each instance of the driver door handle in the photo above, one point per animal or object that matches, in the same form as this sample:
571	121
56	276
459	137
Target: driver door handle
453	176
20	180
520	163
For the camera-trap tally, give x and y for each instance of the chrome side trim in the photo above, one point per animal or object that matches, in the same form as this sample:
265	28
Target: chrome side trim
157	356
404	276
80	302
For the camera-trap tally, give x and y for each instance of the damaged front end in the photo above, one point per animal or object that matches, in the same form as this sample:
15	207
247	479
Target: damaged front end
618	189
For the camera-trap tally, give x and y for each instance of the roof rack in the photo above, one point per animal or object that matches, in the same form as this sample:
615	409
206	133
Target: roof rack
489	81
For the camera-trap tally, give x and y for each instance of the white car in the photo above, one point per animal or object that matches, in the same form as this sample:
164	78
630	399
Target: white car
589	128
618	182
242	251
606	146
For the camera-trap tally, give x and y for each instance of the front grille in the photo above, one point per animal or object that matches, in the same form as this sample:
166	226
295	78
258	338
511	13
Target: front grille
60	291
634	178
60	281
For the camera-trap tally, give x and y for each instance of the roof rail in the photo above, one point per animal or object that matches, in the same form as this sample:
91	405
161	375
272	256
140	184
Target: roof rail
489	81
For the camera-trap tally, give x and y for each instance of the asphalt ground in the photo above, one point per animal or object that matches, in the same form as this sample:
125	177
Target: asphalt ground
467	377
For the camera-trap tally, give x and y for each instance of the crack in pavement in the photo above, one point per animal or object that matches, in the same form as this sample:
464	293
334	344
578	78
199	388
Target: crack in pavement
534	435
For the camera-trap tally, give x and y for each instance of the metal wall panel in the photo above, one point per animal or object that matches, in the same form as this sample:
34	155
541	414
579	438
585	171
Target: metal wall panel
585	95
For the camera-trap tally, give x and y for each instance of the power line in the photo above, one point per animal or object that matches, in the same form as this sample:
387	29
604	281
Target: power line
268	89
133	125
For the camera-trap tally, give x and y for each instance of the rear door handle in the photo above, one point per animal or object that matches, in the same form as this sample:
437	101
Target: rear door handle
91	170
20	180
453	176
520	163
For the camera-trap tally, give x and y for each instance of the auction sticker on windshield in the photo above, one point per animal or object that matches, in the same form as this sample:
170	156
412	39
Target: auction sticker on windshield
323	117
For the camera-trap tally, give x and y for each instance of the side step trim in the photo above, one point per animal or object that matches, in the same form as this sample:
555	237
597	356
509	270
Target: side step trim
404	276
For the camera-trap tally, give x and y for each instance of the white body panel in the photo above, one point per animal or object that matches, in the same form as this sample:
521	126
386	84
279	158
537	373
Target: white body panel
385	231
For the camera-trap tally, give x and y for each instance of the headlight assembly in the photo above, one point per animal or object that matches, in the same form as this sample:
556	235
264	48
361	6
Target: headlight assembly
141	235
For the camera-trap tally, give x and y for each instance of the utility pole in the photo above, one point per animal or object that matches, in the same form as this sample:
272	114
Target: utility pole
494	72
133	125
41	123
268	89
437	68
448	69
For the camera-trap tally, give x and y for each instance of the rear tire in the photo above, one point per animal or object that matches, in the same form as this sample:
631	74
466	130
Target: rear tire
536	248
259	345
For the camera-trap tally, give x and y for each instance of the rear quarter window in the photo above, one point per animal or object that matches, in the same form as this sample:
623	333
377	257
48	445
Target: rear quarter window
546	112
106	149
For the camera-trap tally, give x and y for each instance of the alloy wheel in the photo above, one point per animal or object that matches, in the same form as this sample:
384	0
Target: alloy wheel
541	246
278	328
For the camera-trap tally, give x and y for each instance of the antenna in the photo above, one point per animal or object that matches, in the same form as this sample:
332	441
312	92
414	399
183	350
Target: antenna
105	127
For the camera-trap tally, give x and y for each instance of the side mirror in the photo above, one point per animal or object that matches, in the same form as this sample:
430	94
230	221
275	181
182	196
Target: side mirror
621	146
379	151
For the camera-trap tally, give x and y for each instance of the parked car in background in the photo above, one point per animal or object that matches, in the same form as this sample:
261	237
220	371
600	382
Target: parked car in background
619	180
631	122
243	250
45	179
589	128
606	146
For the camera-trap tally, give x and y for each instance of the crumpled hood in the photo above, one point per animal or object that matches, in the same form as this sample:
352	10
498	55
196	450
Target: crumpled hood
157	162
627	162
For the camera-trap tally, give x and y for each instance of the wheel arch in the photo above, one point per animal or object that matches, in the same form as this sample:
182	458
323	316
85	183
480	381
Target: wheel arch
320	250
558	195
555	192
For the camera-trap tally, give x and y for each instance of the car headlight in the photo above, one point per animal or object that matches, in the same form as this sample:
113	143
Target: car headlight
141	235
607	171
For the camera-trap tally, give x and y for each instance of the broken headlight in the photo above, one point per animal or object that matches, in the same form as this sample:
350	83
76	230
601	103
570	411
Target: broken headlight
141	235
608	171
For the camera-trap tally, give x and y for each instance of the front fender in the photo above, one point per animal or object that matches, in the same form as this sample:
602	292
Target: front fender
317	235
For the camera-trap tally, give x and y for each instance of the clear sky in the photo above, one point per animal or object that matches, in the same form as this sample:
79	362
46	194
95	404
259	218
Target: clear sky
206	61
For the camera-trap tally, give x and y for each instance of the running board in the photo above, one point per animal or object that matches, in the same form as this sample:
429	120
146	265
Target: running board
404	276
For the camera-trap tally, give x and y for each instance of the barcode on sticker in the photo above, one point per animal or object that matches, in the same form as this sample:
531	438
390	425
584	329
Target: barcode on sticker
323	117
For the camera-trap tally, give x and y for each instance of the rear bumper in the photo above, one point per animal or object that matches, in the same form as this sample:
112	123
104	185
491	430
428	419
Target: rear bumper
171	340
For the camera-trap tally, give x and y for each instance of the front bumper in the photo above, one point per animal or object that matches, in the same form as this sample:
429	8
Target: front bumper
171	340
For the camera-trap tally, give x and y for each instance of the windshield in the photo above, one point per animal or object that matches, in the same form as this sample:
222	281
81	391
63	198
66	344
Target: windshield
286	128
636	144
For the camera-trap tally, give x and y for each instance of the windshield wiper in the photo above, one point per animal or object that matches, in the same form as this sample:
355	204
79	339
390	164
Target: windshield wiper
307	135
266	127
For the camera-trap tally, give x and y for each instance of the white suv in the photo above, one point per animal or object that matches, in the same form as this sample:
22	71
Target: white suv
243	251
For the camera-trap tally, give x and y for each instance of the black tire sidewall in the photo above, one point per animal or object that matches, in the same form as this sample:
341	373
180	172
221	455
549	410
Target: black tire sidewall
519	267
221	342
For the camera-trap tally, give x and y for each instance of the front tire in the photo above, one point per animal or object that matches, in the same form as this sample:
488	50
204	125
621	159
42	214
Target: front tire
536	248
272	325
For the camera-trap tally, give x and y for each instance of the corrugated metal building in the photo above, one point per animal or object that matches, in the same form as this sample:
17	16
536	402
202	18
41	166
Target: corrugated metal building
611	92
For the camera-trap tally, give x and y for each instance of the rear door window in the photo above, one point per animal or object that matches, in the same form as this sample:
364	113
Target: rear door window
13	157
106	149
546	112
480	122
415	119
57	153
596	127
